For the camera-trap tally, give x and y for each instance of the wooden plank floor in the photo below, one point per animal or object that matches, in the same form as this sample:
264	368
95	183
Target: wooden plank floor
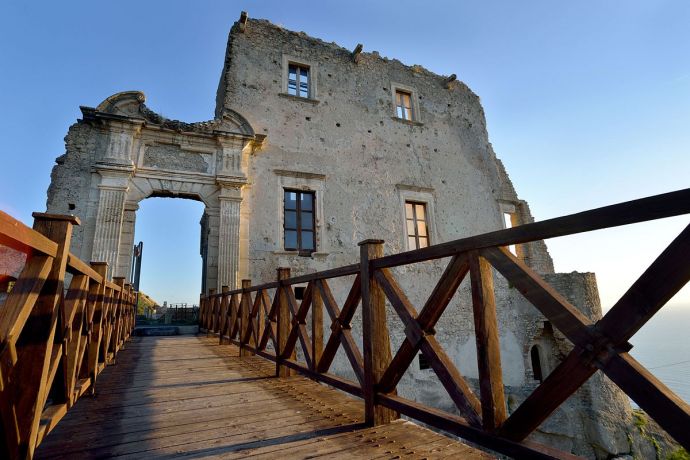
187	396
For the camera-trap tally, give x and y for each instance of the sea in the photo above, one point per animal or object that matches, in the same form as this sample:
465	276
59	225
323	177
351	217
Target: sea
663	347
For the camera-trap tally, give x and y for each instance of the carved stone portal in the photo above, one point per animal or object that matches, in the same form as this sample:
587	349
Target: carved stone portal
132	154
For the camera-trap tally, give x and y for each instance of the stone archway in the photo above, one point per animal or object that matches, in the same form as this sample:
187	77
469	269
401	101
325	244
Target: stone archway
121	153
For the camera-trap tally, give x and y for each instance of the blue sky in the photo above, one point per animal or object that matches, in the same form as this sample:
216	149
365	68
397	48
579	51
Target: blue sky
588	103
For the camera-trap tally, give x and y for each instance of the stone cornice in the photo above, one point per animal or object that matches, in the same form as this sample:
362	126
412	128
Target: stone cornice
414	188
300	174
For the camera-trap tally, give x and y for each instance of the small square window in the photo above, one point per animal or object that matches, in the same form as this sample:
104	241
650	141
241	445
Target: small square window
403	105
417	225
299	222
298	83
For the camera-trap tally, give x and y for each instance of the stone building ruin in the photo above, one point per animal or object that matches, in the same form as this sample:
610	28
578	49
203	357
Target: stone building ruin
371	148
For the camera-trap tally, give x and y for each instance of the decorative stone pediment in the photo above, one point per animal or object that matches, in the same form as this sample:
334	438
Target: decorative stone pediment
131	105
125	104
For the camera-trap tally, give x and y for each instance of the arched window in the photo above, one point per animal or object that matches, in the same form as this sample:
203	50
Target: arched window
536	363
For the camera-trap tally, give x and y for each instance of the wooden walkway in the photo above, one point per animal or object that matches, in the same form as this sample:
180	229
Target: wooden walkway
187	396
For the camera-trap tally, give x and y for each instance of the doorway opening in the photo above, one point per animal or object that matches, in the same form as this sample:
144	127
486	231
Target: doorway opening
171	263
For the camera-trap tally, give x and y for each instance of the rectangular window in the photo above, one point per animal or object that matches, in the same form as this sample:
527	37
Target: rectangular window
417	225
299	221
298	80
403	104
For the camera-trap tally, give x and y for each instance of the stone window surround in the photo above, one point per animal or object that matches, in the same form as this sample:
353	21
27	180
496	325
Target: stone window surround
313	72
414	97
510	208
506	207
300	180
420	195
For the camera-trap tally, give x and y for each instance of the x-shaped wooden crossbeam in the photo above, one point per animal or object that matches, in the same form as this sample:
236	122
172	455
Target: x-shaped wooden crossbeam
299	325
603	345
420	336
271	329
340	328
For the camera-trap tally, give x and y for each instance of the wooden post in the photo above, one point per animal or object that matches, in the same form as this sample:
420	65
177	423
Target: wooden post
283	320
117	327
200	313
316	326
245	306
488	346
97	327
223	314
209	311
377	349
35	346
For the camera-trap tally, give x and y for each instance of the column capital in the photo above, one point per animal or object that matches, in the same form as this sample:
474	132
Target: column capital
114	176
230	191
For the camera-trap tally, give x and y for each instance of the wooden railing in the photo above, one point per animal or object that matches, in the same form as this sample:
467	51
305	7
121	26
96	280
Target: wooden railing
267	320
53	342
183	312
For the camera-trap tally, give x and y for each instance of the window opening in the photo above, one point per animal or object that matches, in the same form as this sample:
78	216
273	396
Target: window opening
298	80
536	364
299	221
508	223
424	362
403	104
299	292
417	225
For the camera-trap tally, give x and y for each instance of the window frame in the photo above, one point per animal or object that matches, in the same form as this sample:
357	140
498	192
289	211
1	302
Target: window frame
422	195
417	236
298	221
401	108
414	103
509	210
299	63
299	70
299	180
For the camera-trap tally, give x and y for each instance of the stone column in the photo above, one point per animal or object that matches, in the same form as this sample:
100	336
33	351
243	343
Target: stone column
111	207
213	225
231	177
124	262
115	168
229	236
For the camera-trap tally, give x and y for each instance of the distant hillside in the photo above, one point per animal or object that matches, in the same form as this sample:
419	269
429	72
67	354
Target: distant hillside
145	302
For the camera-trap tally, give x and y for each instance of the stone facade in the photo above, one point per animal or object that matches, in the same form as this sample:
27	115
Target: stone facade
345	144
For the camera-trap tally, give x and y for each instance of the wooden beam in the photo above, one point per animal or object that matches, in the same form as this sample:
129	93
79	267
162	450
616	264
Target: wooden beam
377	351
223	329
19	237
434	307
283	326
655	398
657	285
316	326
554	390
341	329
562	314
631	212
35	344
488	346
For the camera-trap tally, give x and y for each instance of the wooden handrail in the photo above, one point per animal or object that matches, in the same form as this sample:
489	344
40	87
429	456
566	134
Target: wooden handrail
631	212
602	345
19	237
96	318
